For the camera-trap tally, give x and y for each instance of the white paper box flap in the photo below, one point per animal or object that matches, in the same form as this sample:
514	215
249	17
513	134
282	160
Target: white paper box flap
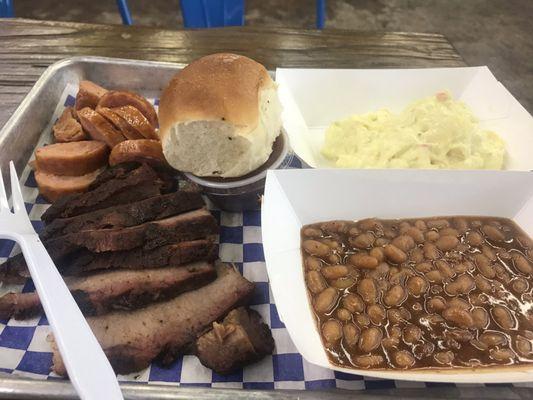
294	198
314	98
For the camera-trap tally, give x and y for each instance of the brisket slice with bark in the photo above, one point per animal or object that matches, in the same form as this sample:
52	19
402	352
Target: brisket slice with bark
240	339
164	256
99	293
126	215
131	340
115	172
123	169
188	226
139	184
14	270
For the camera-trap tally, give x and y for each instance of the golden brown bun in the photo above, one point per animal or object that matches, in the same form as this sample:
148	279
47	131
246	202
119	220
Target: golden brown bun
219	116
220	86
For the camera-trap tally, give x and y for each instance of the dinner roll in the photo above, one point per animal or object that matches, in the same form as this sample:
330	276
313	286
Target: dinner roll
219	116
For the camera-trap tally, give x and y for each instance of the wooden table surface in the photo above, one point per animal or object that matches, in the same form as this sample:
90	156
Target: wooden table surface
27	47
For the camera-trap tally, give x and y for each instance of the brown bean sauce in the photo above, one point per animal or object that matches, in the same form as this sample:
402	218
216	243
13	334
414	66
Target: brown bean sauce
436	292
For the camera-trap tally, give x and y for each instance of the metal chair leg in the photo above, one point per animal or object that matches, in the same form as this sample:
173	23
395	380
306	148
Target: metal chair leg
124	12
320	14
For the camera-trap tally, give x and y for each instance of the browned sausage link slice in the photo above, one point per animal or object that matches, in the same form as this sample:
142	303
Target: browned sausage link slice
115	98
67	128
52	187
89	95
73	159
99	128
142	150
137	121
120	123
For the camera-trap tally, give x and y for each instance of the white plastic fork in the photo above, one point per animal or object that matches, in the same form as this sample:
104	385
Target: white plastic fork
87	366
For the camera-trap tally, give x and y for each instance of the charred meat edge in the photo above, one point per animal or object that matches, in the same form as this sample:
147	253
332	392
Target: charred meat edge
131	340
240	339
126	215
141	183
178	228
14	270
99	293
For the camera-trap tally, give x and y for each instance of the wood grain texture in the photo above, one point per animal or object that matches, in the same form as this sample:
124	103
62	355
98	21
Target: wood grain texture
28	47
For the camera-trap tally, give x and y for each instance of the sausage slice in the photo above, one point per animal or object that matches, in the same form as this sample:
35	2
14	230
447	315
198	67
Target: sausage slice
89	95
67	128
125	128
114	98
144	151
74	159
137	121
99	128
52	186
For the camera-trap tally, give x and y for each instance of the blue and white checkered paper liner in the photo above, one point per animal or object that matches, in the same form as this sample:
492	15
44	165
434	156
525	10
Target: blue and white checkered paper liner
25	350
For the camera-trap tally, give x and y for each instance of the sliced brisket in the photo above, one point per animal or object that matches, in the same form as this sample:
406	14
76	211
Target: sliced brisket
133	339
139	184
126	215
14	270
240	339
115	172
188	226
170	183
79	261
117	290
163	256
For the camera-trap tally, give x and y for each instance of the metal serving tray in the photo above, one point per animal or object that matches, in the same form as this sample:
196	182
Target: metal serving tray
20	134
18	139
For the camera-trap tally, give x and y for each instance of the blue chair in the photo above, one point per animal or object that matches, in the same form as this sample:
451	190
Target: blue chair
124	12
214	13
196	13
6	9
320	14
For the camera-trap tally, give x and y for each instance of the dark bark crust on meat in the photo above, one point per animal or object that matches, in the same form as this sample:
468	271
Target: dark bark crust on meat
133	339
14	270
240	339
189	226
139	184
122	216
116	172
137	298
164	256
130	294
120	171
21	307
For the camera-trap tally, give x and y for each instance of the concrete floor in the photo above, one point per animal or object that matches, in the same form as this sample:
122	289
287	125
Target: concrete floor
496	33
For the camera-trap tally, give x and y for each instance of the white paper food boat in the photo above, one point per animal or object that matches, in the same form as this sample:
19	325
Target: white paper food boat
294	198
314	98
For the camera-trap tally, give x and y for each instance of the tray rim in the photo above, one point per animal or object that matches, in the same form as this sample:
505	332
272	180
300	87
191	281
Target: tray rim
57	66
18	387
